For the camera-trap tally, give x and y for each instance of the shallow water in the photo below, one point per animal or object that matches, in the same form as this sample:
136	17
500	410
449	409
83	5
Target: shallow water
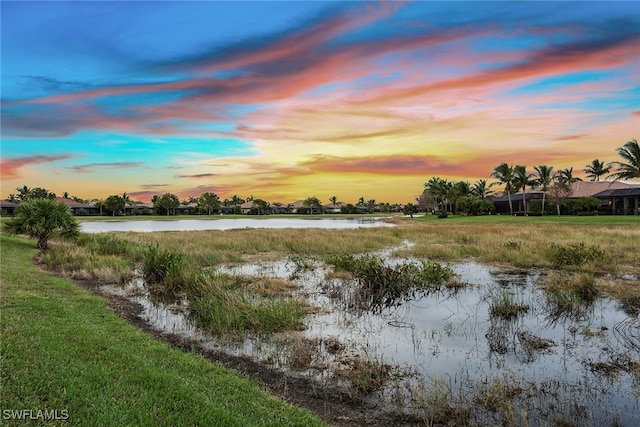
449	338
229	224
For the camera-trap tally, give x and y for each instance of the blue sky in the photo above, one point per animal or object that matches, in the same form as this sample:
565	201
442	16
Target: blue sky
287	100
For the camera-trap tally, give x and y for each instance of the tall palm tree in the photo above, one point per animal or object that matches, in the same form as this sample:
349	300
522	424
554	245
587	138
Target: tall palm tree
522	181
545	175
630	152
333	200
596	169
505	175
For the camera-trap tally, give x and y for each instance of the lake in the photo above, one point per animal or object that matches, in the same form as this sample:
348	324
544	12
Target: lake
230	224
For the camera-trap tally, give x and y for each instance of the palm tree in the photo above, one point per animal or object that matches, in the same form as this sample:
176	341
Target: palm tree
630	152
371	204
23	193
312	202
505	175
441	190
545	175
567	175
461	188
43	219
596	169
481	189
522	181
333	200
236	201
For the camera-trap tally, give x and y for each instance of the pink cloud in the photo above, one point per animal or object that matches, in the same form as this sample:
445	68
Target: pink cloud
11	168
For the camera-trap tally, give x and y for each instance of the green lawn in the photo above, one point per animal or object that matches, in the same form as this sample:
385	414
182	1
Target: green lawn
64	349
599	220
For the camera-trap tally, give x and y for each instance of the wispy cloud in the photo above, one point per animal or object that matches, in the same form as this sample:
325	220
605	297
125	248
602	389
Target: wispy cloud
197	175
11	168
91	167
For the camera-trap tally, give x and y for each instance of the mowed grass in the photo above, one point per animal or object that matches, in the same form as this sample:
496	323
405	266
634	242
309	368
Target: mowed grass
63	348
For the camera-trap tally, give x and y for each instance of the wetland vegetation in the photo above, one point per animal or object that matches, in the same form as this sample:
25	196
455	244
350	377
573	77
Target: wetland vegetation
527	293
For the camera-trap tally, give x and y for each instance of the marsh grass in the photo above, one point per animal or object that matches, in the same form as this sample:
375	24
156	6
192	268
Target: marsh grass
77	262
505	305
166	269
362	375
380	285
573	254
221	302
571	295
439	405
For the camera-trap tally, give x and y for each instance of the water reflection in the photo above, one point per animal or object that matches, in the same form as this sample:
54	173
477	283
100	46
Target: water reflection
584	369
230	224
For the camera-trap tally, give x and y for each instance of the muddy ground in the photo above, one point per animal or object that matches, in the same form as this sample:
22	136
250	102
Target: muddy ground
328	405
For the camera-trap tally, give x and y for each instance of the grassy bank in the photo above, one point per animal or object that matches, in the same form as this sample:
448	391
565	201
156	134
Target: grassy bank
594	245
64	349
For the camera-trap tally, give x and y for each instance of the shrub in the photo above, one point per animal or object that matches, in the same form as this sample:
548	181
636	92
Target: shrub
43	219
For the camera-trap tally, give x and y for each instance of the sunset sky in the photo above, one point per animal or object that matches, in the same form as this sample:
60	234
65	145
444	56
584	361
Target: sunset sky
287	100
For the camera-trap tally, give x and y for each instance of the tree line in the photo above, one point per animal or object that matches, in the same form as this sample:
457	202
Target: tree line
442	195
439	194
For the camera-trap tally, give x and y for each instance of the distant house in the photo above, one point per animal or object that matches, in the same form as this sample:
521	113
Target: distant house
139	209
502	202
78	208
188	209
333	207
246	207
616	197
278	208
7	208
225	210
621	201
295	206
